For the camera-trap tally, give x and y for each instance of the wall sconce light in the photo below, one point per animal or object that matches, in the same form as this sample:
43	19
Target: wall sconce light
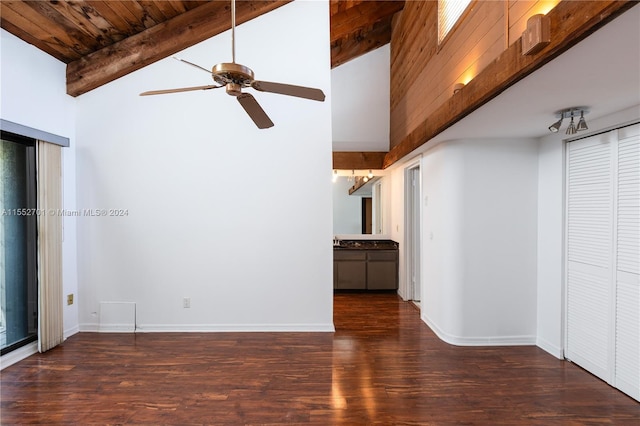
457	87
370	175
537	35
570	112
334	178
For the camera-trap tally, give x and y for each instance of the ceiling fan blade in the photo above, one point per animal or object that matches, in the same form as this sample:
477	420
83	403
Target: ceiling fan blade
183	89
192	64
255	111
289	89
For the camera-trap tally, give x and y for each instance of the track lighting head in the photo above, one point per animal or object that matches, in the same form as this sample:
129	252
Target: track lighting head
571	130
582	125
556	126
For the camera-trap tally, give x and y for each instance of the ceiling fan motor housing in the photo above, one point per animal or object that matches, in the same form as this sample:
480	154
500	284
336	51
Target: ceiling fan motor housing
233	76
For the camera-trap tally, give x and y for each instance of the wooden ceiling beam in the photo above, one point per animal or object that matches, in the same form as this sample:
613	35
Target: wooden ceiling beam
359	27
362	15
571	22
346	160
158	42
367	39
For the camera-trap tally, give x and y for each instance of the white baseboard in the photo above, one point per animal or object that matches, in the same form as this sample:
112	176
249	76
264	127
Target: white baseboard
524	340
549	347
207	328
71	331
90	327
18	355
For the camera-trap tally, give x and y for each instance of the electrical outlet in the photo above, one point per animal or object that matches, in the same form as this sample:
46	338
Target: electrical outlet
70	299
186	302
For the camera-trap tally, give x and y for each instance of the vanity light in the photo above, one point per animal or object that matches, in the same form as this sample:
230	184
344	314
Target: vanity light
365	179
334	178
370	175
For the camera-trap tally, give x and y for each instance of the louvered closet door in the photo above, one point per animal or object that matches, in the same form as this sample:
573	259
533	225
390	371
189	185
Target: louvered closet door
603	256
627	329
589	253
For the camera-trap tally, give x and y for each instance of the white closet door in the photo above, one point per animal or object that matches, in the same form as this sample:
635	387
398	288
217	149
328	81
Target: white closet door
590	253
627	330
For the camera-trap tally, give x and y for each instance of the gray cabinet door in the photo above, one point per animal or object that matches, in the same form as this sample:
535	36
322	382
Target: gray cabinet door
382	275
350	275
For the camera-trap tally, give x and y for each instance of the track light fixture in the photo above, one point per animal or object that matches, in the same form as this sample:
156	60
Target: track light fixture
570	113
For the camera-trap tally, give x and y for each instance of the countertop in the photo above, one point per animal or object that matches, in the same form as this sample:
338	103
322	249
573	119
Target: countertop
366	245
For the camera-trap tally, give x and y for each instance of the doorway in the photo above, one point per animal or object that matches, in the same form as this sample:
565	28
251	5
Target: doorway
412	233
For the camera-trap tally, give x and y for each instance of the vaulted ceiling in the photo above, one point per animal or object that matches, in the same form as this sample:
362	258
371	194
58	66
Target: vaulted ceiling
104	40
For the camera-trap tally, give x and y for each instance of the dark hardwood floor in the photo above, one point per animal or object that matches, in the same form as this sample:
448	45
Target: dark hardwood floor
382	366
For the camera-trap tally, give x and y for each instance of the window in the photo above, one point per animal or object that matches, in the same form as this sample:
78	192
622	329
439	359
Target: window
18	248
449	11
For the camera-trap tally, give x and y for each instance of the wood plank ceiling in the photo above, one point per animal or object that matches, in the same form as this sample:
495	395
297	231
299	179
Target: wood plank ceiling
104	40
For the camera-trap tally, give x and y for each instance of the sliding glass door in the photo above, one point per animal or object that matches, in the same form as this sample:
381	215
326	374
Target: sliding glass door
18	251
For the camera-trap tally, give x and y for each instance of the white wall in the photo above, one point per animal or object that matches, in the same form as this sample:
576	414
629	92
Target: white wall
33	94
550	267
479	241
360	106
347	209
235	218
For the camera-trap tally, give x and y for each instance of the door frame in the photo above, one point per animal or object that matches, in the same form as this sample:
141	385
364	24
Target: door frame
412	237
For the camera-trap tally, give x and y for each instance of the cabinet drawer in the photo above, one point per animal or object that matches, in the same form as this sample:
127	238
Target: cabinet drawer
383	255
349	255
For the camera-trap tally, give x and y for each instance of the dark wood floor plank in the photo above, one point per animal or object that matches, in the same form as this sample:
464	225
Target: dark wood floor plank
381	366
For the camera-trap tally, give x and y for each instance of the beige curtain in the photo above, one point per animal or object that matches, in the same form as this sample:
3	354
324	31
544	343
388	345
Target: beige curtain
49	181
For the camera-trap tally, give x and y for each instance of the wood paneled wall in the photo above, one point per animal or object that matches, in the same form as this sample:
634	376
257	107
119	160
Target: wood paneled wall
423	73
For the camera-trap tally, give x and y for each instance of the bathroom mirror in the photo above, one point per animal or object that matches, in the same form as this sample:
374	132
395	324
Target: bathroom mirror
353	214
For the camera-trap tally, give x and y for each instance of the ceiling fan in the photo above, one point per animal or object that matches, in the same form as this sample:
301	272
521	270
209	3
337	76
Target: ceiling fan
234	77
